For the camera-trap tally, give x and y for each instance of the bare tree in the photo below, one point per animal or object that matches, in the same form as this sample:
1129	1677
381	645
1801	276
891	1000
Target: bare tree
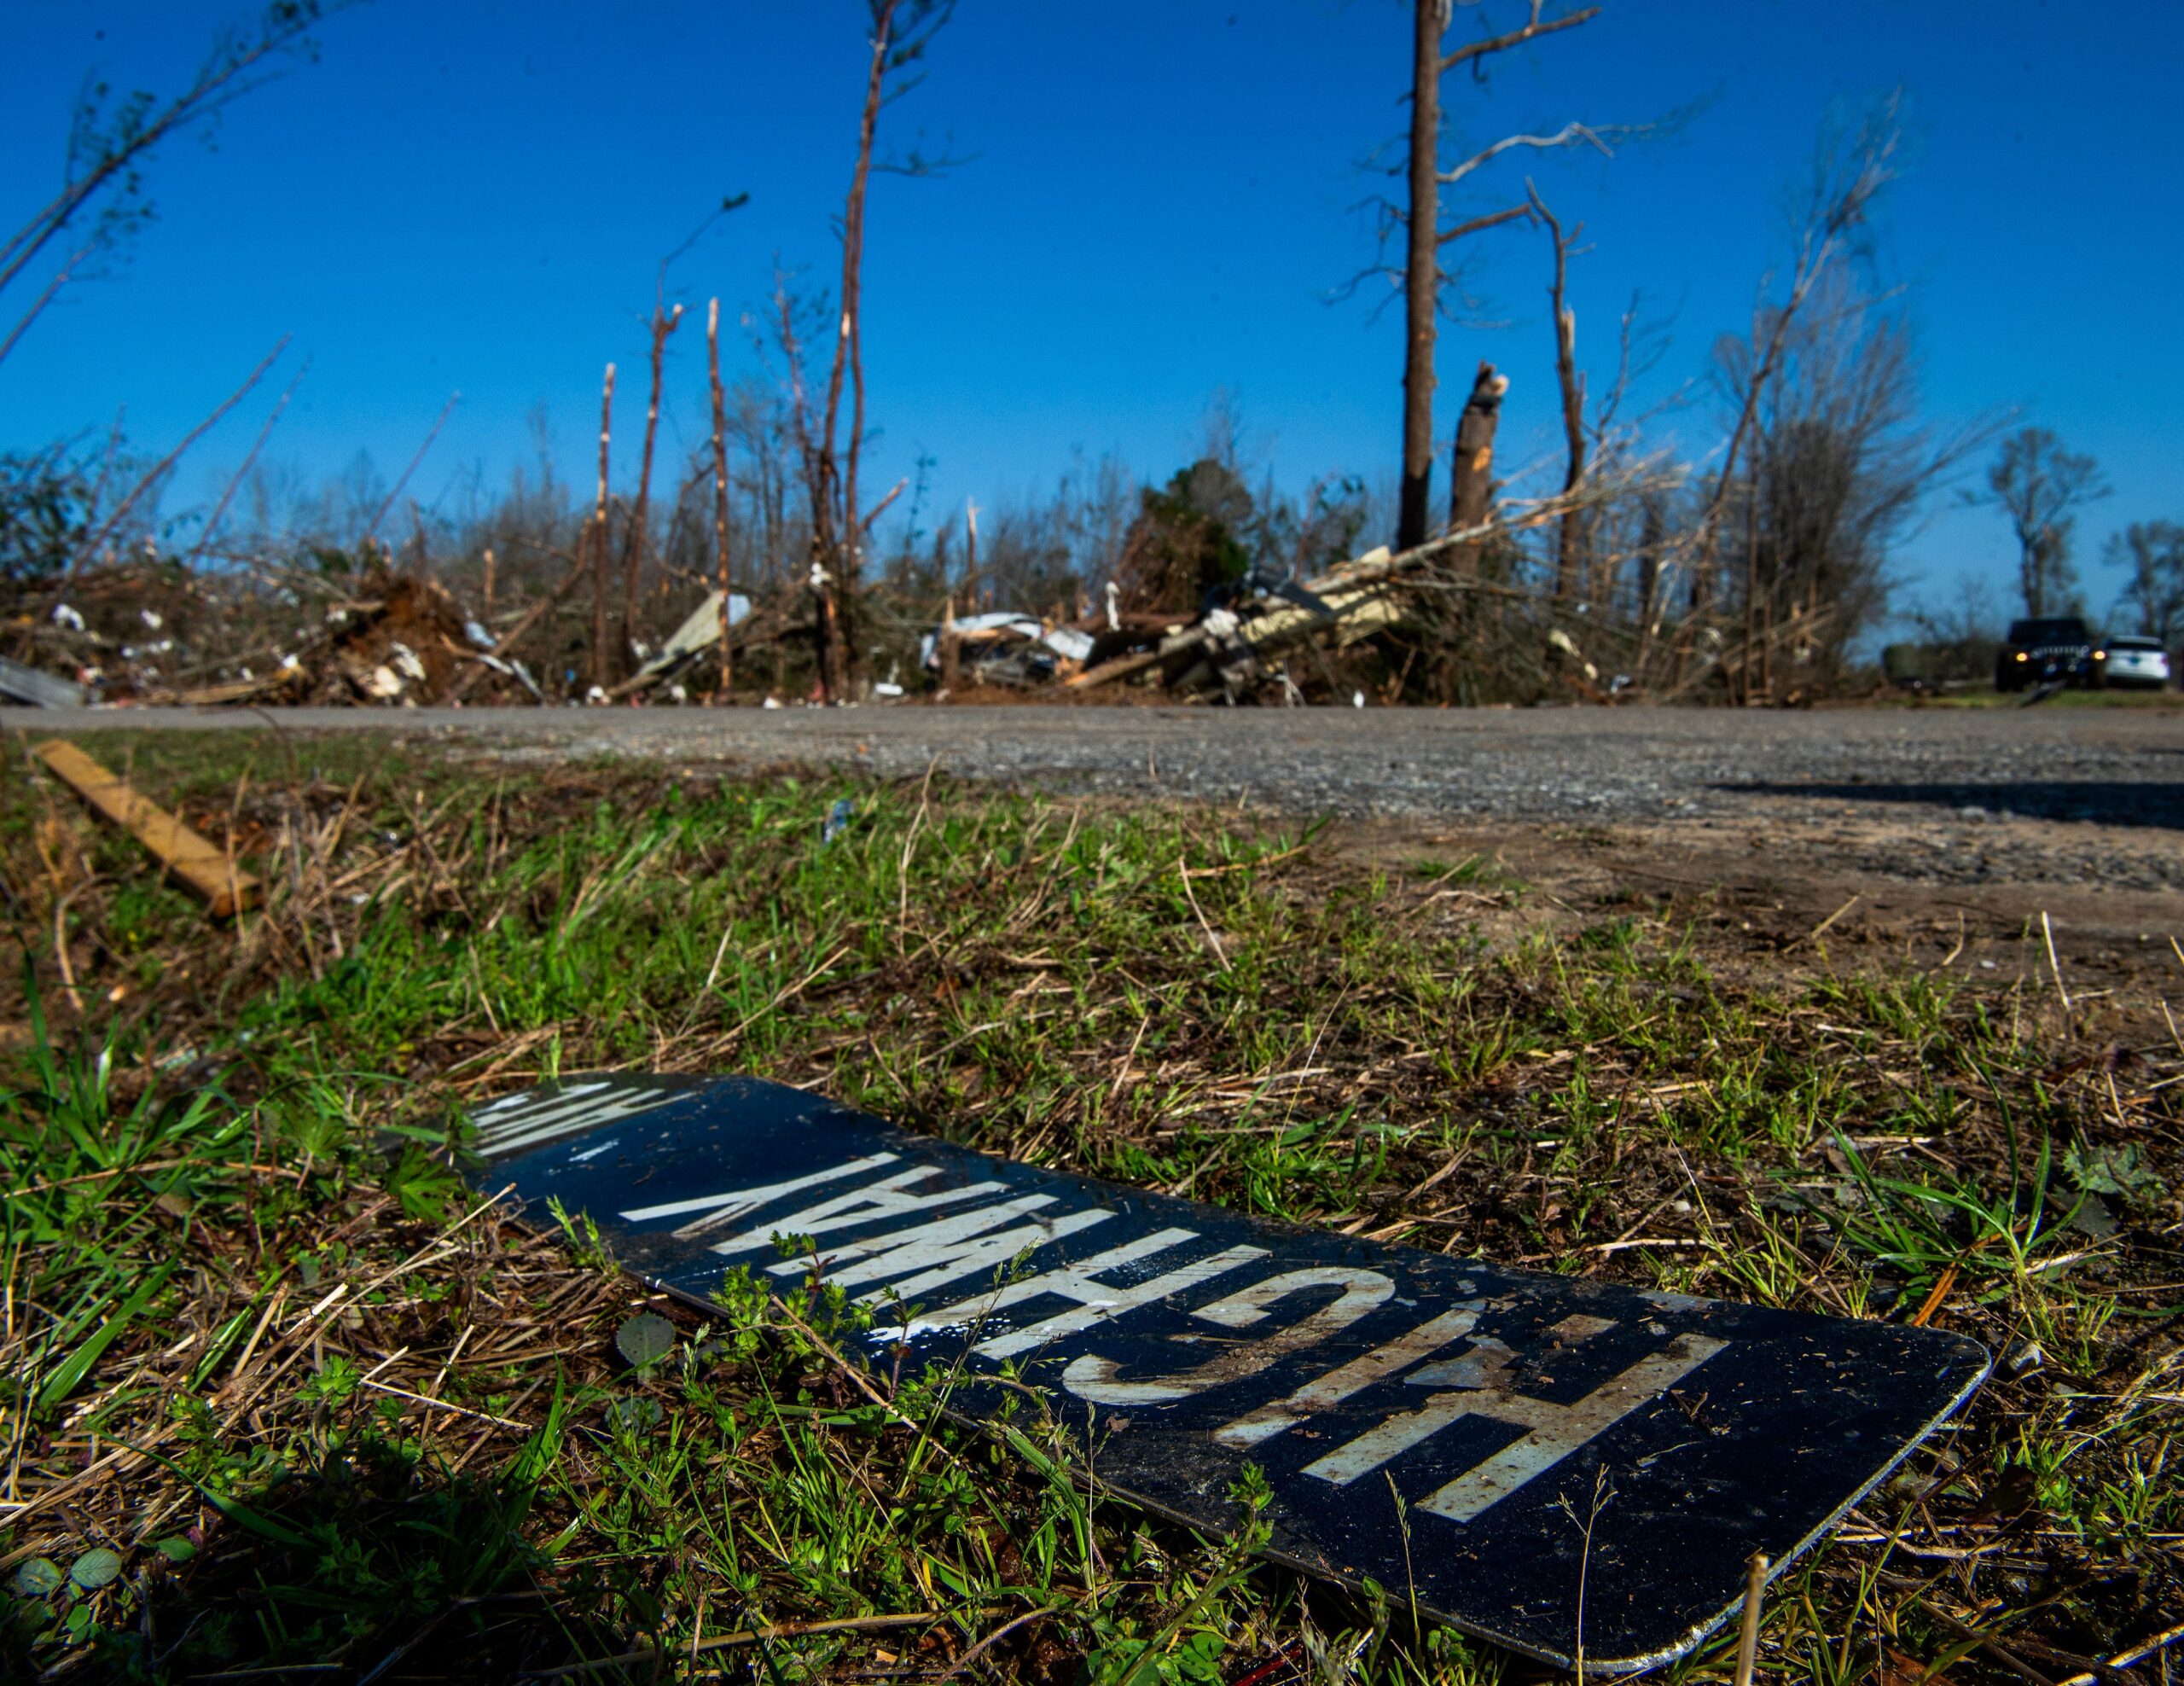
101	200
1837	469
1853	167
2153	551
1423	235
901	30
1570	558
2041	486
664	322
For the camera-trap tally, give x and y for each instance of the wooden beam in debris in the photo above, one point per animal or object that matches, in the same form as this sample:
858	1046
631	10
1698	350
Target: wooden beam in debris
1374	566
194	859
1359	611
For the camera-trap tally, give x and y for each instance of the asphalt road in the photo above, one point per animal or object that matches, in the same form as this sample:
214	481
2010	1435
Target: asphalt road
2105	767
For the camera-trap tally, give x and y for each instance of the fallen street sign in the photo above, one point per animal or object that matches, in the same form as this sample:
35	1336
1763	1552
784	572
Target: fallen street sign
1178	1342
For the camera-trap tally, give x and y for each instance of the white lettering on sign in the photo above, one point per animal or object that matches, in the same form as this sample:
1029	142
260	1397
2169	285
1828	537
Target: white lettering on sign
739	1203
1328	1391
1094	1378
1096	1301
946	1250
883	1199
518	1123
935	1251
1552	1432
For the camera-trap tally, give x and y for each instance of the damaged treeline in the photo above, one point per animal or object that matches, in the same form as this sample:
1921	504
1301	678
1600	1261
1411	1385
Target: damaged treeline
747	565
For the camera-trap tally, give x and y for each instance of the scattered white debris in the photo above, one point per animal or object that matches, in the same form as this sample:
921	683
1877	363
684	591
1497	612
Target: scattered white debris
407	663
151	618
1357	698
1557	639
884	689
65	616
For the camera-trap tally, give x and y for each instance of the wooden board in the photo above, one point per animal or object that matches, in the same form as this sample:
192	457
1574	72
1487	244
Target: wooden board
194	859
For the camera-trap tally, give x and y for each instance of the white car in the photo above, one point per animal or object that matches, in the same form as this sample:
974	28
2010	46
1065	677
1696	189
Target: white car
2134	661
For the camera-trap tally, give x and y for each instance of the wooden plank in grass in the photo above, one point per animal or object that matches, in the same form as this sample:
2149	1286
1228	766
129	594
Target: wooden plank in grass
194	859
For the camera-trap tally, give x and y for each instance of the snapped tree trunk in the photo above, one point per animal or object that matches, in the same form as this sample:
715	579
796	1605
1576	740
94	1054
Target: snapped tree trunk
720	482
633	542
600	674
1471	487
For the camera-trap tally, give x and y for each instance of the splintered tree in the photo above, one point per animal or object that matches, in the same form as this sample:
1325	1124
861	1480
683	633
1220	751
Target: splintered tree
664	322
720	485
1424	236
2041	486
901	30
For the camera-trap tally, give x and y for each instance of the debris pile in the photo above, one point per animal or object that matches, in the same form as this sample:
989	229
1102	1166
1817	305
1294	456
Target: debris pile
158	633
407	642
1003	647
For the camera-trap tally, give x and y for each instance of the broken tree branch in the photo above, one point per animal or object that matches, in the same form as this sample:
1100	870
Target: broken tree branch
446	410
1569	134
1480	224
89	546
212	521
1532	30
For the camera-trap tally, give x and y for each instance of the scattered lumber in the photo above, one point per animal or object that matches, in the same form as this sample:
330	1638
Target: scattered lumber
193	858
19	683
1360	594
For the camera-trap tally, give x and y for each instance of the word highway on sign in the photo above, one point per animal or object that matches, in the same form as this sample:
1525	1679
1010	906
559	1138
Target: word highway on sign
1178	1343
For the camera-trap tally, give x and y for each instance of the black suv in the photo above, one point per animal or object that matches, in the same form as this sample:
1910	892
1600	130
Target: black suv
2043	652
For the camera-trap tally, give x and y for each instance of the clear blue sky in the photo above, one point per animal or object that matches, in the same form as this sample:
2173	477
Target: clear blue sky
475	194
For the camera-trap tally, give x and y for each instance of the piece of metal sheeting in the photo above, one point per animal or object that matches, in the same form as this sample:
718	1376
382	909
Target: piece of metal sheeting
1178	1341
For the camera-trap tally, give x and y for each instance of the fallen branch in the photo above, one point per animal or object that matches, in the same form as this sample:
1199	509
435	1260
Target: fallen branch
1341	582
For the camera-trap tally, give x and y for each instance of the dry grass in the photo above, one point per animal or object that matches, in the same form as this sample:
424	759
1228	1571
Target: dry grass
387	1436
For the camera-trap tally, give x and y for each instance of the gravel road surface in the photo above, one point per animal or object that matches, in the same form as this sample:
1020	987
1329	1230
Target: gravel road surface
2086	793
2120	766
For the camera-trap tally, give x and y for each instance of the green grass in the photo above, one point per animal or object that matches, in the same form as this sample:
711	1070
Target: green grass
357	1422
